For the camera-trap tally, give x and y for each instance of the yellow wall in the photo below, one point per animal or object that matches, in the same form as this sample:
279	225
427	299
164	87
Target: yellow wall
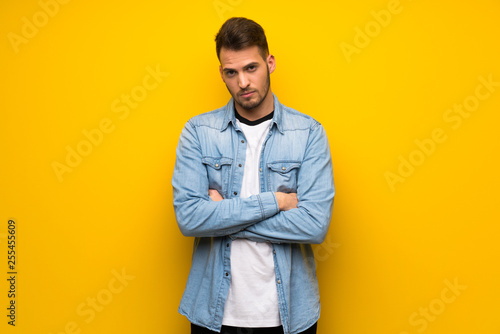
408	91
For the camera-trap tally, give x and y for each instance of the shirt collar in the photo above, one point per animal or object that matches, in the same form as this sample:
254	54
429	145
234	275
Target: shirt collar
229	116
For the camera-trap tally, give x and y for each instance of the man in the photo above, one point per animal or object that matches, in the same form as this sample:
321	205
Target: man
253	184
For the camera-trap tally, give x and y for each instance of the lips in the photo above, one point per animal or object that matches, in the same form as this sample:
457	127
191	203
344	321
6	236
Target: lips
246	94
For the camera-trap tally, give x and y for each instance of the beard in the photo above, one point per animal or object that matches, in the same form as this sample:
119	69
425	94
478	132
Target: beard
249	105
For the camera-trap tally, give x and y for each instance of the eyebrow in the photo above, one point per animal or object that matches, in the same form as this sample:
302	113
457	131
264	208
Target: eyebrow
251	64
227	69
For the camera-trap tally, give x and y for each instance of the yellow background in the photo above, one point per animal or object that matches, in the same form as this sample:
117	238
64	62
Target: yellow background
391	249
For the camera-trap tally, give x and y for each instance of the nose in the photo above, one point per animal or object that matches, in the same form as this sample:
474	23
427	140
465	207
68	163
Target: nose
243	82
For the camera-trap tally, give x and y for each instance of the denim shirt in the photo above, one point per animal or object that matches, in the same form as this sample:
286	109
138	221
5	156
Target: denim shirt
295	158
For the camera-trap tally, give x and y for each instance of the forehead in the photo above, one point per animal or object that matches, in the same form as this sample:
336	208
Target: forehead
240	58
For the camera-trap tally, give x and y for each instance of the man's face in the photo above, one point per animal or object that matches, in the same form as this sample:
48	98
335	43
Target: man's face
246	75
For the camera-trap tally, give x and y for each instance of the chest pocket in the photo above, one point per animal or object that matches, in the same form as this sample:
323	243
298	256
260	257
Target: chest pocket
218	170
282	176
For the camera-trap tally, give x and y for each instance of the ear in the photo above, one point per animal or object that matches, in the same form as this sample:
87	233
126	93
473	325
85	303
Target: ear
271	63
221	73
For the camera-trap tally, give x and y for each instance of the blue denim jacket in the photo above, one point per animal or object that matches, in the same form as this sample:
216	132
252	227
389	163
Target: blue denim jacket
295	158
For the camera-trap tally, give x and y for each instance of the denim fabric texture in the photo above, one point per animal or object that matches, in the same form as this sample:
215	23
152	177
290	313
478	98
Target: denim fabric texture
295	158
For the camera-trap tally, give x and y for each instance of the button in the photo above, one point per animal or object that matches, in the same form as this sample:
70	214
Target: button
260	169
216	165
242	141
274	252
239	165
227	245
227	274
279	282
235	193
283	168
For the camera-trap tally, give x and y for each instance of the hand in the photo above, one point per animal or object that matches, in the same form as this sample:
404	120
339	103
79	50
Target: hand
286	201
214	195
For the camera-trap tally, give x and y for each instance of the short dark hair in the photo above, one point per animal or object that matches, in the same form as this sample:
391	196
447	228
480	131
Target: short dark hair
238	33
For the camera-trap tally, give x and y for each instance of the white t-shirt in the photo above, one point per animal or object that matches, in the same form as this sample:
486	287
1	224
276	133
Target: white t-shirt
252	299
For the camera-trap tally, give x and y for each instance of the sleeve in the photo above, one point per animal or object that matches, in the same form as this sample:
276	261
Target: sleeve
197	215
309	222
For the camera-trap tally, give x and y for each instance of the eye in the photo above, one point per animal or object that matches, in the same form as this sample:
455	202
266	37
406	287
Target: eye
230	73
251	68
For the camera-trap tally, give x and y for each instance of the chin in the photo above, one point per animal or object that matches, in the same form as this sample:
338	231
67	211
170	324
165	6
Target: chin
250	104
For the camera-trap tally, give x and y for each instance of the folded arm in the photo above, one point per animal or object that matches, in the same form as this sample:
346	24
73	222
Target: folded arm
285	201
197	215
309	222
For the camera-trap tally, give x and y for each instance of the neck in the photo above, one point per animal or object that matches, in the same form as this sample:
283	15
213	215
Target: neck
264	109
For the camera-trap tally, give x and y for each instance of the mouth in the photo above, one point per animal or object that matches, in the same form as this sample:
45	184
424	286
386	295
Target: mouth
247	94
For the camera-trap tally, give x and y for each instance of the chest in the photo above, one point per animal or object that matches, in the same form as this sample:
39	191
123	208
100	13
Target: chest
278	158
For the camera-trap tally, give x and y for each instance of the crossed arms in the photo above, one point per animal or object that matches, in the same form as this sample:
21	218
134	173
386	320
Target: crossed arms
303	217
285	201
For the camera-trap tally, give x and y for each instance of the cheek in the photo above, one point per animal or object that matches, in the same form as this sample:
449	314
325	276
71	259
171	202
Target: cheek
232	86
263	79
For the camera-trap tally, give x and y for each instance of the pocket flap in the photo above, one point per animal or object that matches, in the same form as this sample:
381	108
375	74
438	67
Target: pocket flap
283	166
216	163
